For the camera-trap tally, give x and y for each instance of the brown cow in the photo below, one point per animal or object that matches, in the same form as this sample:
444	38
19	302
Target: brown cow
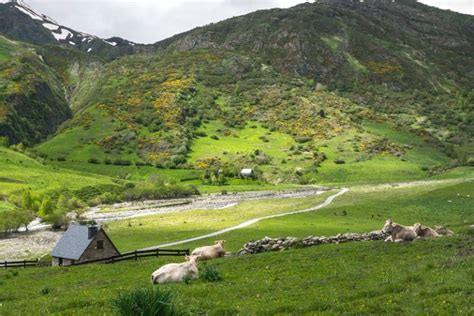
425	231
443	231
398	233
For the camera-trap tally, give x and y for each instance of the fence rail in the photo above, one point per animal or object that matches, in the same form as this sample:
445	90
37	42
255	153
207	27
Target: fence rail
134	255
19	264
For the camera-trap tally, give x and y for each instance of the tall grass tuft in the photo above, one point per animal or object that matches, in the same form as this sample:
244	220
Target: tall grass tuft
146	302
210	274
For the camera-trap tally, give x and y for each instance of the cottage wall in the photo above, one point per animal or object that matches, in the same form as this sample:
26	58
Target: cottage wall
93	253
65	262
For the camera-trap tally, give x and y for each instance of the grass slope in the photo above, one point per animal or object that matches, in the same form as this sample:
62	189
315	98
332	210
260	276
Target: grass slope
19	172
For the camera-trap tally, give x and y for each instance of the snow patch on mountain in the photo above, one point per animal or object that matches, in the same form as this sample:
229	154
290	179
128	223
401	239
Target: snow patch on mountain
27	12
63	35
110	43
50	26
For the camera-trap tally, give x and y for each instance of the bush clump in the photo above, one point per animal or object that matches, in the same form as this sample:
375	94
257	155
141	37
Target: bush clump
45	290
93	161
210	274
146	302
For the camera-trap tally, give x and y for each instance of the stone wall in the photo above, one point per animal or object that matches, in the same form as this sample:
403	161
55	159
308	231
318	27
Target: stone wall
279	244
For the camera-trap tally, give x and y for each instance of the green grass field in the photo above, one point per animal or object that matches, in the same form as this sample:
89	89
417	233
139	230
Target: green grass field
18	171
422	277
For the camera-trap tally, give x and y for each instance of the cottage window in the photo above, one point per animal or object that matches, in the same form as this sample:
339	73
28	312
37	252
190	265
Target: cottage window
100	244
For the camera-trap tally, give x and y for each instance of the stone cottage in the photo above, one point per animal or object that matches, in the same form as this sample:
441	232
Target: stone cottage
83	243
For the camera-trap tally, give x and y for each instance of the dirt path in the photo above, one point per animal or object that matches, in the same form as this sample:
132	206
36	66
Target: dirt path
328	201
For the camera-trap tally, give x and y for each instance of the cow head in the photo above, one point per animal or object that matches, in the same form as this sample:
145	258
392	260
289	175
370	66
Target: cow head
417	228
220	242
192	259
387	228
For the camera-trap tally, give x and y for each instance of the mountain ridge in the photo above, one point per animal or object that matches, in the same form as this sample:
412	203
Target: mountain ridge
400	62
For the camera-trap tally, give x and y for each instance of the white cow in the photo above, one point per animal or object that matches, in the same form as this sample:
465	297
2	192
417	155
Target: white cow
210	252
176	272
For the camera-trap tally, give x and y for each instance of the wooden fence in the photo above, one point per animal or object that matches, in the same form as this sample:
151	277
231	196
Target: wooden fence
134	255
19	264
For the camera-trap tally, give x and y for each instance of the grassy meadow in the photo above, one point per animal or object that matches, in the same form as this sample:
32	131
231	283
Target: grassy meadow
422	277
368	152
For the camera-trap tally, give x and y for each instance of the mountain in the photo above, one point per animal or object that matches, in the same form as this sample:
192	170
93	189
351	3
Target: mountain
20	22
325	88
399	44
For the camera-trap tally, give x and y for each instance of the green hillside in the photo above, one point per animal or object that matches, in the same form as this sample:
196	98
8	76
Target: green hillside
32	103
210	110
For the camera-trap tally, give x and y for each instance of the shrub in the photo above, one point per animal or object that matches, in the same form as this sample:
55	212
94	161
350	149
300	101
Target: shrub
107	161
61	159
303	139
120	162
200	134
45	290
93	161
129	185
45	261
215	137
210	274
146	302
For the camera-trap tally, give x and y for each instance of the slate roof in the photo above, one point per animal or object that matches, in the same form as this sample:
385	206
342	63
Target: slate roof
73	243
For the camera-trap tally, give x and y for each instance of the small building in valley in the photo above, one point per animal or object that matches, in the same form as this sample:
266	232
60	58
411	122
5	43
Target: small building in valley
82	243
247	173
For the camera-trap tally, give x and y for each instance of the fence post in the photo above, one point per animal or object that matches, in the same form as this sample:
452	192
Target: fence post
5	264
136	256
24	263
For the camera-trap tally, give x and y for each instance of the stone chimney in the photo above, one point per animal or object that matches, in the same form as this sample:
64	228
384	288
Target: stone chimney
92	230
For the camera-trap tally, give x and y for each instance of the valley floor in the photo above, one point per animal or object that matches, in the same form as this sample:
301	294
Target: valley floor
423	277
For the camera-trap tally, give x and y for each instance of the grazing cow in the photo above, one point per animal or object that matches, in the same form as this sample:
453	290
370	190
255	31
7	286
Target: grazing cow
210	252
443	231
424	231
398	233
176	272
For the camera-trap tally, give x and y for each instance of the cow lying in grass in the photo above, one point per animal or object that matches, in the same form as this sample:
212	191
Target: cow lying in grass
176	272
210	252
398	233
424	231
443	231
